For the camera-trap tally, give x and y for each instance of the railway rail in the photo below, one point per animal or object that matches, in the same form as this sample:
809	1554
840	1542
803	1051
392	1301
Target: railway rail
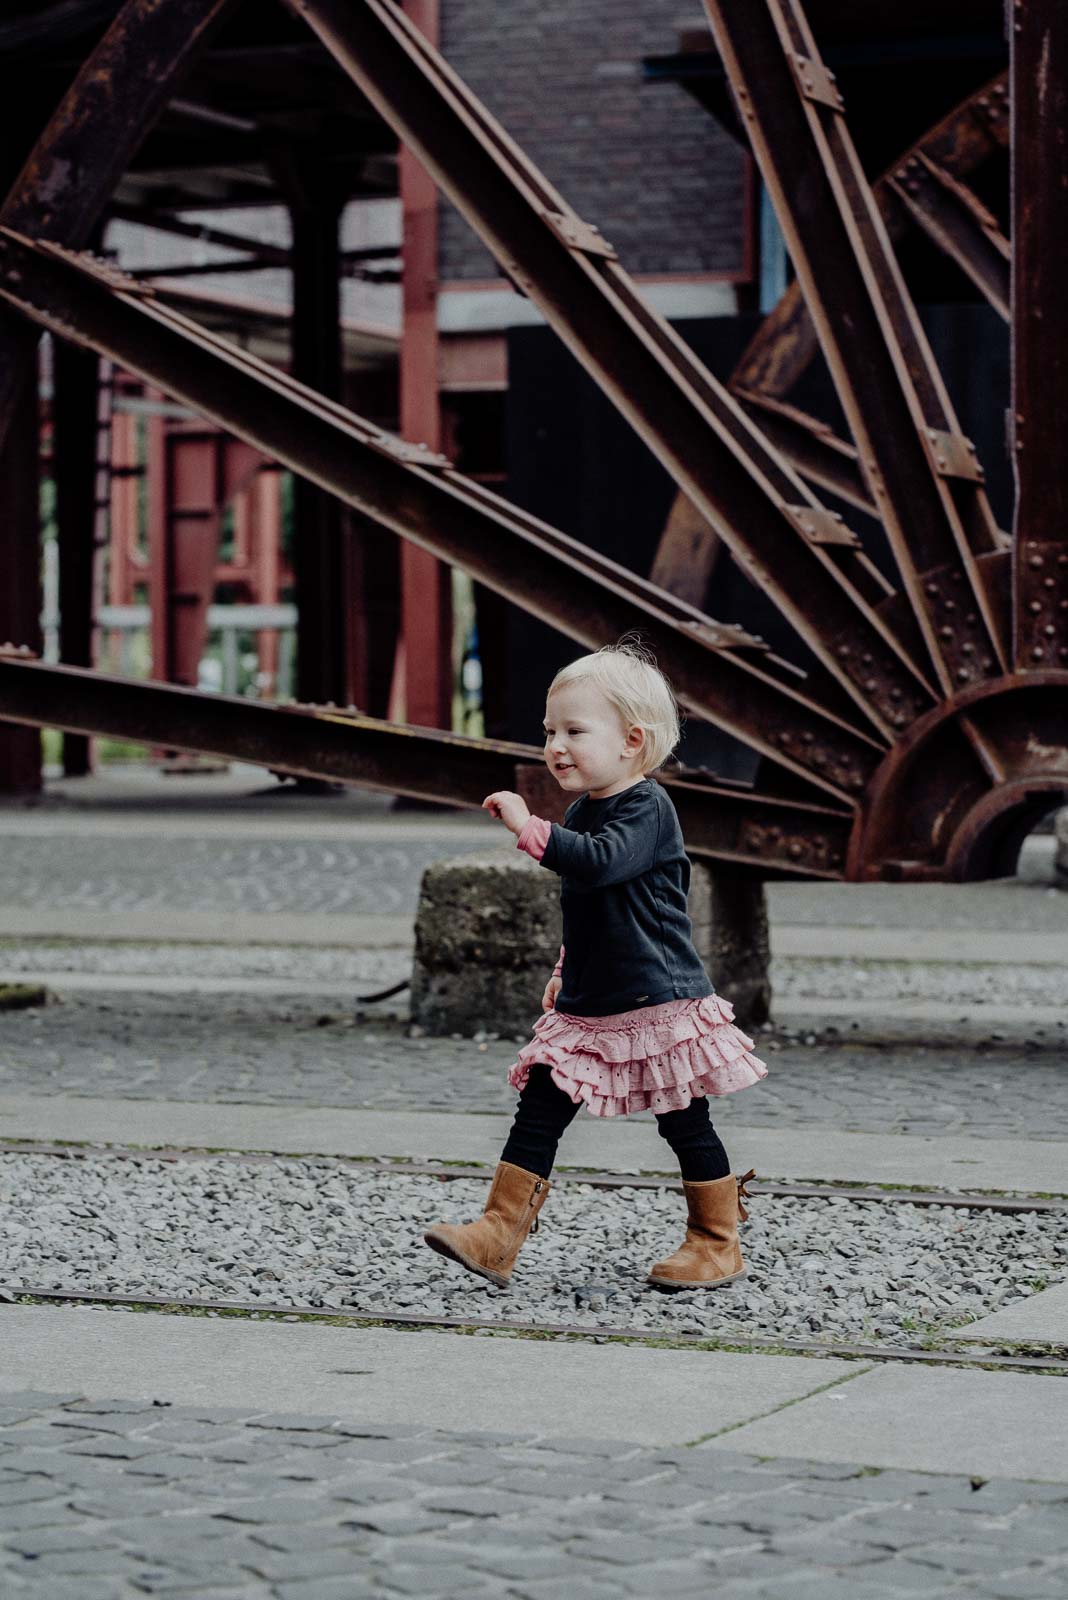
1053	1360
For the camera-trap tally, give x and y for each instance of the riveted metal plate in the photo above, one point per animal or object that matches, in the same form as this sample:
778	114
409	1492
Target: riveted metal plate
816	83
579	235
952	455
820	526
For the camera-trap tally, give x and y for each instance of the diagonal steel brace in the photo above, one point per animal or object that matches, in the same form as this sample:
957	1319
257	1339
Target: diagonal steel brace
542	570
698	431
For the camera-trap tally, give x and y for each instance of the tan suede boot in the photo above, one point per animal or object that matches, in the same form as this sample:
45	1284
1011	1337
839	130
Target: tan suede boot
490	1245
710	1254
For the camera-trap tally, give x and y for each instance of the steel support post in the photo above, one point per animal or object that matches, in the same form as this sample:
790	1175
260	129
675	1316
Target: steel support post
717	670
20	591
426	583
75	441
755	502
98	125
921	472
319	567
1038	33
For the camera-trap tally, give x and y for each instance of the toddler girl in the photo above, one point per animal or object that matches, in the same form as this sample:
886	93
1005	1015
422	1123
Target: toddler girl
630	1020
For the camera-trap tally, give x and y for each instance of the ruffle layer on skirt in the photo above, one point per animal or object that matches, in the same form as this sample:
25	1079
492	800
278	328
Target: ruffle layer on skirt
655	1059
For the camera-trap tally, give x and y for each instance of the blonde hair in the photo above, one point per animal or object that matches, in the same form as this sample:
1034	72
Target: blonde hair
631	681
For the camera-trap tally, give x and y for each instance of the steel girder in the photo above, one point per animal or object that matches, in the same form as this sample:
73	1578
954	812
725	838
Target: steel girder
776	837
784	540
405	488
914	714
920	471
99	124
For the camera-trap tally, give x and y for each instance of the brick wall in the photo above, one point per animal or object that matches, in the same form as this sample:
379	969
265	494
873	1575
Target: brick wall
642	160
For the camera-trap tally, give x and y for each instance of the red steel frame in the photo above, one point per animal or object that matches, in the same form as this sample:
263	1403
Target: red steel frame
936	716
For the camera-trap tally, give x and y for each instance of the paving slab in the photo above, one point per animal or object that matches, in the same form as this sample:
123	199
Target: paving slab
166	925
810	1153
943	1419
891	1016
985	945
429	1379
1041	1319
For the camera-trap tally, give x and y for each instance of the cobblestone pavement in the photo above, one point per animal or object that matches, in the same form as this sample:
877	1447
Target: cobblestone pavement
144	869
229	1049
109	1499
152	872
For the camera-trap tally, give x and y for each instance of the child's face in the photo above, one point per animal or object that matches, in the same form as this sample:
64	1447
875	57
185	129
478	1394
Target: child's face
586	743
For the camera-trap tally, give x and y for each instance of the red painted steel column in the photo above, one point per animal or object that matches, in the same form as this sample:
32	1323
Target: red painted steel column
426	584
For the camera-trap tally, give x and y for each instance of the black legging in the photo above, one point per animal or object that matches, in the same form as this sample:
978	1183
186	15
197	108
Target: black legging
545	1111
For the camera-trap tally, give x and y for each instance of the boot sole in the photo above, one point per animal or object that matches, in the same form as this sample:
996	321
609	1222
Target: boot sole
452	1254
695	1283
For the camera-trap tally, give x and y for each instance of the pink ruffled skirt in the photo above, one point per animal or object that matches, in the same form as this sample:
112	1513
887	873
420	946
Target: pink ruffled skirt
658	1058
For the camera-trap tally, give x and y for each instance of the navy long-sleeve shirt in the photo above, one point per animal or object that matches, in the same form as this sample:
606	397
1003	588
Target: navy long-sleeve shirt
624	878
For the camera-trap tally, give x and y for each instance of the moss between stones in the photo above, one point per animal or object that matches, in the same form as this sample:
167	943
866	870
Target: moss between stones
17	996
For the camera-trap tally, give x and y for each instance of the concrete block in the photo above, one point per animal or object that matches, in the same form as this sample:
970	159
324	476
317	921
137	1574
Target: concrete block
729	912
1060	860
487	935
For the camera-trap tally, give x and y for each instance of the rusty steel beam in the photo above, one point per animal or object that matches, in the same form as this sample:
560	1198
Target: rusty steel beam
1039	70
406	489
922	473
813	447
780	351
772	522
99	124
776	837
955	220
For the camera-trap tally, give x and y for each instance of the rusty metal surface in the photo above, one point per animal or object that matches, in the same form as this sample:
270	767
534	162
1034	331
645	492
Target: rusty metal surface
775	837
1038	47
75	164
914	749
697	430
783	347
883	370
957	222
417	496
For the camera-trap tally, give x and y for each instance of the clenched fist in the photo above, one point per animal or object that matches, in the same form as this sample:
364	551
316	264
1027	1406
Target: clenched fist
511	808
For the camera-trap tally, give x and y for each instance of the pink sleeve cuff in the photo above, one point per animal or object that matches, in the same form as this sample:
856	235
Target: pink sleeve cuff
559	967
534	837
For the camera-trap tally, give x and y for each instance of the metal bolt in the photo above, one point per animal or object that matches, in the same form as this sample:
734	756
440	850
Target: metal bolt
1036	562
963	675
1037	654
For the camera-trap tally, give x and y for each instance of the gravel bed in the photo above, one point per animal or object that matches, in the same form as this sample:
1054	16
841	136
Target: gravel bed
326	1234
